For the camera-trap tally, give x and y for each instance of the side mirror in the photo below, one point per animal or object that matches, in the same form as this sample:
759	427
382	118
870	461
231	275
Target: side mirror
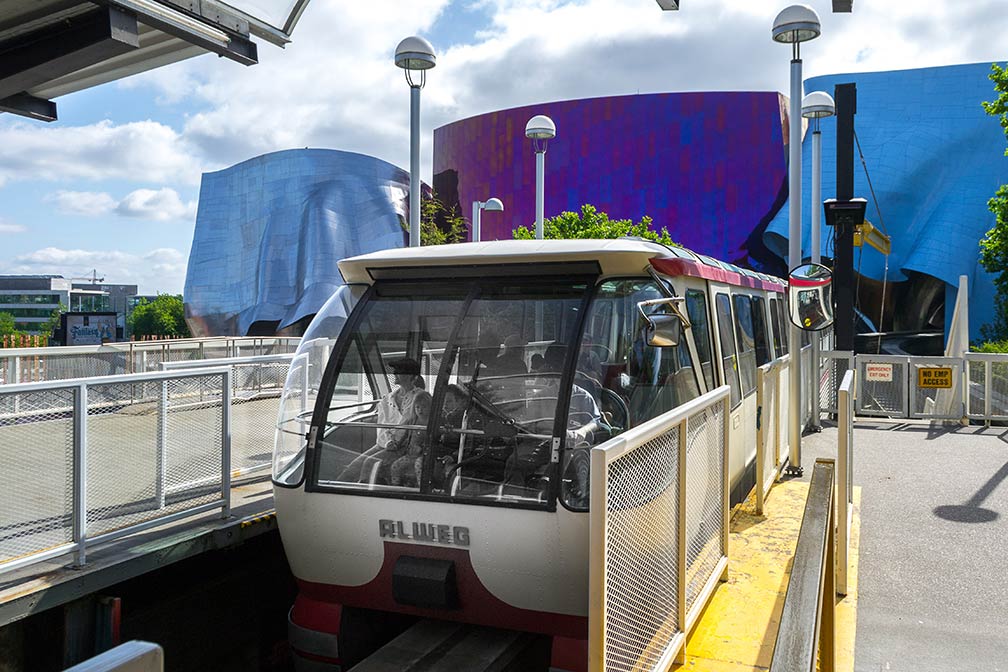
810	297
663	330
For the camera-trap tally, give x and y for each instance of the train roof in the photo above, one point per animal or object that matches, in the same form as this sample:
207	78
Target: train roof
619	256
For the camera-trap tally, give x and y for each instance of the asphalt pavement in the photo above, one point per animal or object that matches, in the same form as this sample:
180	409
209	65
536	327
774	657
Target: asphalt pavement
933	576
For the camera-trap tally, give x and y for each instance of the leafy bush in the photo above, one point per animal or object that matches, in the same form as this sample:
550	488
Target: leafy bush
590	223
164	316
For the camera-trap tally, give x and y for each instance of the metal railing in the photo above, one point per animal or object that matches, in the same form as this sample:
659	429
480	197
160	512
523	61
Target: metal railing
132	656
659	534
845	476
252	379
25	365
771	426
90	460
986	388
805	636
834	364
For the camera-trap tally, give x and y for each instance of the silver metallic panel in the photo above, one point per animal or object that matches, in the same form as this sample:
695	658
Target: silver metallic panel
270	230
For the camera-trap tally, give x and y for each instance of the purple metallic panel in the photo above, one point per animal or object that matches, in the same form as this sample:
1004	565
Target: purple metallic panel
711	167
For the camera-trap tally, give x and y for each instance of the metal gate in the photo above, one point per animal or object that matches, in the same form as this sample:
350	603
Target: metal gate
897	386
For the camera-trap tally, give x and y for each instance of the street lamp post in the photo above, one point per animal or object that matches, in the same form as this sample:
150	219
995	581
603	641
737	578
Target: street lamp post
493	204
815	106
794	25
415	55
540	129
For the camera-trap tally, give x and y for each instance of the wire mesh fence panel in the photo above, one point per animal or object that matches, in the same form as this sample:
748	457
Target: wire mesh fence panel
36	478
835	365
809	378
882	388
122	459
705	473
987	386
767	429
641	549
193	441
936	387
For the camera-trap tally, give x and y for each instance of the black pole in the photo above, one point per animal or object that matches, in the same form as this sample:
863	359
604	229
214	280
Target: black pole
845	97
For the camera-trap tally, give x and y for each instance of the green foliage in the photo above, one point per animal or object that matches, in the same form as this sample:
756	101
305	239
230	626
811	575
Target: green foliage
164	316
994	246
439	225
590	223
7	324
53	323
990	346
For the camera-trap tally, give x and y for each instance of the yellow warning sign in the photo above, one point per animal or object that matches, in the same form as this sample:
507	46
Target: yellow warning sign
934	377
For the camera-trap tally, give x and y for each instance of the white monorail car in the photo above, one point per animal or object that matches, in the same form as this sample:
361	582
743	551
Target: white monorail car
431	456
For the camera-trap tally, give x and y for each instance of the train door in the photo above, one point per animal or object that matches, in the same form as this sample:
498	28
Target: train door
729	372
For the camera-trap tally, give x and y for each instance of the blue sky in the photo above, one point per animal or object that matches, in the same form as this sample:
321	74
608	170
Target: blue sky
113	185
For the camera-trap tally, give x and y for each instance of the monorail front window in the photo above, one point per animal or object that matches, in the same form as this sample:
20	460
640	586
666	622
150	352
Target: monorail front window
451	389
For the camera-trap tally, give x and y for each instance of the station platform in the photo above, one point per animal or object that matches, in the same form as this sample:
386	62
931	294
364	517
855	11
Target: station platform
738	628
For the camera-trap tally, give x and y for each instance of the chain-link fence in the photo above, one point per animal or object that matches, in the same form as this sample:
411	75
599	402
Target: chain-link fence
91	460
25	365
659	502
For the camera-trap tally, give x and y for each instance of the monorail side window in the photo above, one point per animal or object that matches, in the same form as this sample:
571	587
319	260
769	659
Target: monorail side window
617	372
744	335
763	354
696	308
785	331
776	327
729	365
451	390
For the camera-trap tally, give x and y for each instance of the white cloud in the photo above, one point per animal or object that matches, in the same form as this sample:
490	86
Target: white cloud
88	203
10	227
159	270
336	85
140	150
160	205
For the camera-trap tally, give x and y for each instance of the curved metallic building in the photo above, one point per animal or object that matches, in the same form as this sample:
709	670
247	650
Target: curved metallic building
710	167
935	158
270	230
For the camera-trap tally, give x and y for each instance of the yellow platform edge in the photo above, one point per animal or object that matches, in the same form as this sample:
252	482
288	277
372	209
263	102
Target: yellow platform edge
738	627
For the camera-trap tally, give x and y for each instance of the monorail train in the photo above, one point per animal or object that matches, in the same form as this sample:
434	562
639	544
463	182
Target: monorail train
432	446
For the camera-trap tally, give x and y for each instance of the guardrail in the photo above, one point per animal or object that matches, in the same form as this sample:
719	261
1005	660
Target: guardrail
132	656
91	460
771	425
845	476
25	365
659	534
252	379
805	636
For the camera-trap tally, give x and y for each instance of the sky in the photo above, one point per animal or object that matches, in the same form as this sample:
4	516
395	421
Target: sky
112	186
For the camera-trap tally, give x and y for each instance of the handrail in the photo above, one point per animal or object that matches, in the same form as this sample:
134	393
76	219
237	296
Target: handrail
807	622
131	656
227	361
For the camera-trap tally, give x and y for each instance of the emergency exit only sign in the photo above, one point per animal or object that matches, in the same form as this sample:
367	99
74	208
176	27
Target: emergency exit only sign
934	377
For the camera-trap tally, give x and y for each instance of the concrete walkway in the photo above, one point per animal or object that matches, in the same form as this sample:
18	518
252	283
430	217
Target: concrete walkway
933	579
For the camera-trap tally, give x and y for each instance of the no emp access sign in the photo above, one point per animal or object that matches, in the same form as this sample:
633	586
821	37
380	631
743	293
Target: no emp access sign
934	377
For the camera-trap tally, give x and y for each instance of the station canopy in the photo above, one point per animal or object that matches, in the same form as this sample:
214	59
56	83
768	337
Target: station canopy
49	48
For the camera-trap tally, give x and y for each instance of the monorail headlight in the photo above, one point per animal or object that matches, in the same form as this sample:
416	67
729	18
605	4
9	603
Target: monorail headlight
810	297
663	330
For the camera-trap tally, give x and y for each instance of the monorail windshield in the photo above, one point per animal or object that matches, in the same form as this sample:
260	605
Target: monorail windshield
488	390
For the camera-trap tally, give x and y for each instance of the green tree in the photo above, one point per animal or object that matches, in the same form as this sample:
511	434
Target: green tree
994	245
53	323
590	223
164	316
7	324
439	224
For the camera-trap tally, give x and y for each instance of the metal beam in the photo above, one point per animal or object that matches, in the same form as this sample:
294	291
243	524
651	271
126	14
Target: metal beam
193	29
29	106
29	60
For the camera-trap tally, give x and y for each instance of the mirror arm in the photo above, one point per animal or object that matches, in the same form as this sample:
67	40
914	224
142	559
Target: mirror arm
672	302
